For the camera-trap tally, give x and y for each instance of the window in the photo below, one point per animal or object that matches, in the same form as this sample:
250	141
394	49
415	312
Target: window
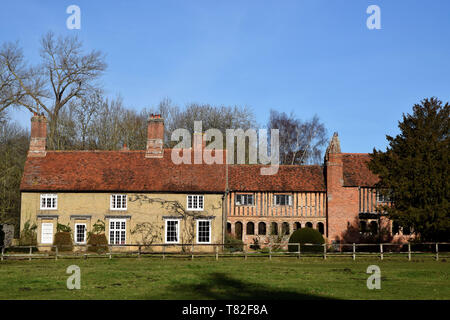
118	202
195	202
49	201
172	231
117	231
203	231
245	200
80	233
283	199
382	197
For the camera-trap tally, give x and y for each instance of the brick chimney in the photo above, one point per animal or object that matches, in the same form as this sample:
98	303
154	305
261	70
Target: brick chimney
38	141
155	137
199	144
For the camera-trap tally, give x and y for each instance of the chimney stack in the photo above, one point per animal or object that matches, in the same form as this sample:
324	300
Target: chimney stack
38	141
155	137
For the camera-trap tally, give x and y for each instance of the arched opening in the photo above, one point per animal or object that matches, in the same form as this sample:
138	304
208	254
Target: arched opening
250	228
274	229
308	225
228	227
297	226
262	228
238	230
363	226
285	228
374	227
320	227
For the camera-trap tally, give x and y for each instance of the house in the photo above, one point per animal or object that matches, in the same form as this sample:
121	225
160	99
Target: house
132	191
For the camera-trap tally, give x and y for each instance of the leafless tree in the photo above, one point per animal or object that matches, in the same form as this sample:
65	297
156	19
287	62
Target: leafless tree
64	74
300	141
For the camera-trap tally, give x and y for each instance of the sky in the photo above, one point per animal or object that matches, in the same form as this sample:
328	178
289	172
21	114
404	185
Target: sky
310	57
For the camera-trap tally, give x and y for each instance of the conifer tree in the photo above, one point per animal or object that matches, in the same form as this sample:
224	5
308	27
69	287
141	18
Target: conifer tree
414	171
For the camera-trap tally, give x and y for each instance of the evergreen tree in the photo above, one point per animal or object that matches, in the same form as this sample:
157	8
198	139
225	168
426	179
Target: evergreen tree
414	171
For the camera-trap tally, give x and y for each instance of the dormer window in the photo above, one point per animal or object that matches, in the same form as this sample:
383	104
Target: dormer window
118	202
49	202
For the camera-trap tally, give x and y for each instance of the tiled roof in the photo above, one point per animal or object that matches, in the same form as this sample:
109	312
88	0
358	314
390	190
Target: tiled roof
130	171
118	171
356	171
288	178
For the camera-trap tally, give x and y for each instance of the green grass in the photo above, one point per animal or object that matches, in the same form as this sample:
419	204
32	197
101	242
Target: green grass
228	278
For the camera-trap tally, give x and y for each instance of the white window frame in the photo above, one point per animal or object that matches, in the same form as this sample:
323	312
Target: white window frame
52	196
198	231
178	230
245	195
197	208
76	233
115	230
111	202
282	194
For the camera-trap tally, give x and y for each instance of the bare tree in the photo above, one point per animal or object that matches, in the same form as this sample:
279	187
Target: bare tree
14	142
300	141
65	73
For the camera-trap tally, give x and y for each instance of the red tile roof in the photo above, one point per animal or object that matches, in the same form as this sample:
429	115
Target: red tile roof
288	178
118	171
356	171
130	171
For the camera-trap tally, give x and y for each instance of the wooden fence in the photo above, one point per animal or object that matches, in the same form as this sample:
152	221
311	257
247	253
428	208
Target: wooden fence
245	250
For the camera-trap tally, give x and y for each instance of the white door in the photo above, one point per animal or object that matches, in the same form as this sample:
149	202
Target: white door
47	233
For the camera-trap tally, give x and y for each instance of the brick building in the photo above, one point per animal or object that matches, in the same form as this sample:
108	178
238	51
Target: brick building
191	202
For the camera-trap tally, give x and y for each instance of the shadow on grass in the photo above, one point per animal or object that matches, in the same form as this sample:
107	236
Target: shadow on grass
220	286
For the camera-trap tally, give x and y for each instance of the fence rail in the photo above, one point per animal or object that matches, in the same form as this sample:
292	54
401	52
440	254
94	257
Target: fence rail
216	250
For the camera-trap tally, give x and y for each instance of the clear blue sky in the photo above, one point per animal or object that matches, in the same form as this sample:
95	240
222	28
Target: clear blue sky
312	57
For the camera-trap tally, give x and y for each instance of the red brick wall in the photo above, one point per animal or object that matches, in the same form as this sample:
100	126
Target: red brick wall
342	202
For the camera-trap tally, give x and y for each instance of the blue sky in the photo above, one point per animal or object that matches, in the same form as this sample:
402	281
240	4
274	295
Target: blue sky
310	57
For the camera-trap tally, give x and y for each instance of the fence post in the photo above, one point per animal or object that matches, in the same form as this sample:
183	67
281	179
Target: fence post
3	252
381	251
217	252
354	251
270	251
324	251
31	251
409	251
86	251
192	251
109	251
139	252
299	250
437	251
164	252
56	253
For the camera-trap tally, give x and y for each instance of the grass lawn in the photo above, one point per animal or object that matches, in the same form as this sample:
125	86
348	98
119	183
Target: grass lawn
228	278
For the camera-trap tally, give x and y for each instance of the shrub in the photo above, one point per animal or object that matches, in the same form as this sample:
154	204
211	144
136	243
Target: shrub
255	245
232	244
97	243
63	240
28	236
306	235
